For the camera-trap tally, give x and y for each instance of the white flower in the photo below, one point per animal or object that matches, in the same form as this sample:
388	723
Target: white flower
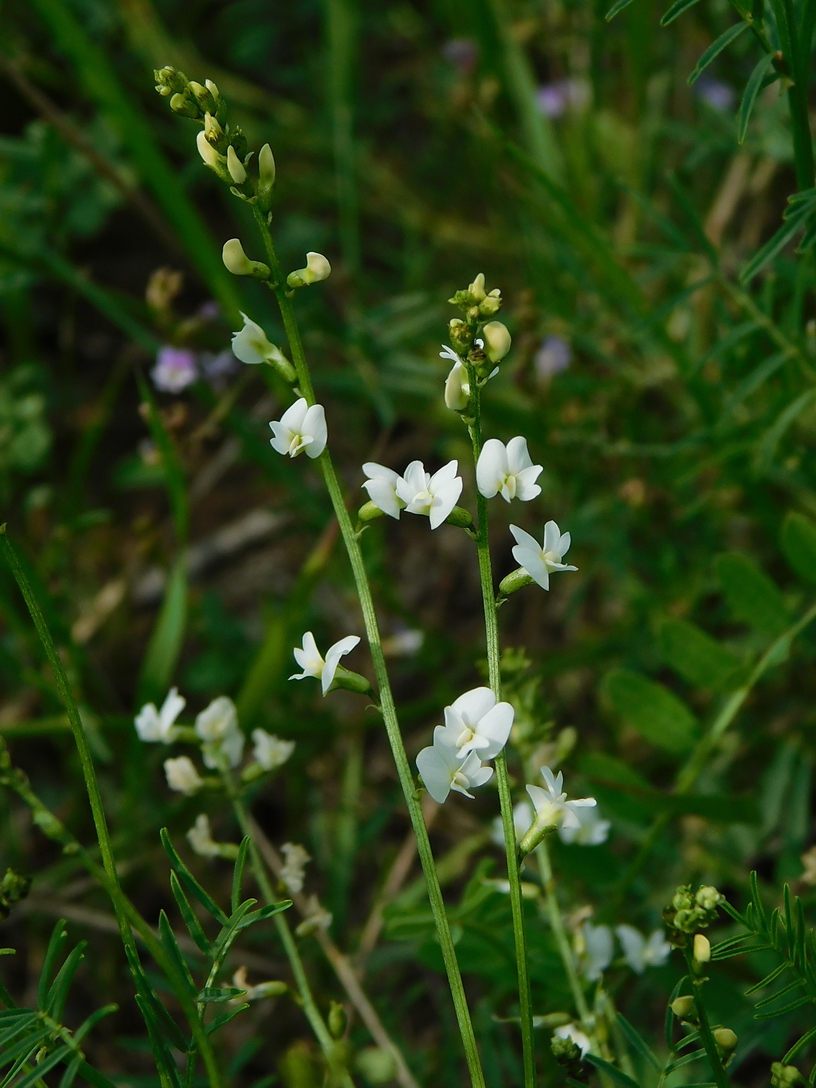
551	804
457	387
300	428
270	751
381	486
507	470
207	152
442	770
641	952
475	722
313	664
540	560
154	725
235	167
251	344
317	268
200	838
522	818
595	948
497	341
266	168
217	725
293	872
232	252
570	1031
433	495
182	775
592	832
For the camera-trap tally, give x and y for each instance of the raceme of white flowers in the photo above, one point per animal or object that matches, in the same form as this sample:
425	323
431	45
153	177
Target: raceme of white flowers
300	429
507	470
476	727
219	737
540	560
416	492
157	725
324	669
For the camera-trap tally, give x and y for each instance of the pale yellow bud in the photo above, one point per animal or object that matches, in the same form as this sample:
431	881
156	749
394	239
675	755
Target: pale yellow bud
235	167
207	152
477	288
702	948
212	128
497	341
235	259
266	167
317	268
211	87
457	388
725	1039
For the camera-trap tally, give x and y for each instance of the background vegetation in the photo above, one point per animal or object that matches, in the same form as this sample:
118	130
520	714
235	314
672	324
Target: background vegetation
663	376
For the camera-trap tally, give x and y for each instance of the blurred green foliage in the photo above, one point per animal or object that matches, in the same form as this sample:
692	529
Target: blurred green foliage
662	372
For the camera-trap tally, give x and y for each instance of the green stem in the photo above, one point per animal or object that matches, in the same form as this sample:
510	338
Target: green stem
307	1001
500	762
706	1036
561	938
387	705
122	908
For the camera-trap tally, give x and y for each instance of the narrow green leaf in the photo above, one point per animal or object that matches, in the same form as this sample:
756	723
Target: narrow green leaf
41	1068
696	656
766	369
749	97
676	10
94	1077
611	1070
158	1041
797	1004
616	9
90	1023
187	913
799	545
772	977
263	914
71	1071
638	1043
224	1018
55	944
799	1045
167	638
29	1045
651	709
213	994
714	50
190	882
767	446
789	989
238	874
687	1059
789	229
669	1019
751	594
58	993
170	945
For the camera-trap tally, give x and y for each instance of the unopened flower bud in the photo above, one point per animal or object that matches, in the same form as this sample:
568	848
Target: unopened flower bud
514	581
182	104
460	333
701	948
208	153
170	80
266	176
457	388
491	304
497	341
785	1076
461	517
235	167
684	1009
476	290
369	511
708	898
726	1041
317	268
203	97
237	262
681	900
337	1019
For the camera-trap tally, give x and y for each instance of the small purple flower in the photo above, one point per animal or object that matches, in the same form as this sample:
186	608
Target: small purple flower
175	369
217	367
553	356
562	96
210	310
716	94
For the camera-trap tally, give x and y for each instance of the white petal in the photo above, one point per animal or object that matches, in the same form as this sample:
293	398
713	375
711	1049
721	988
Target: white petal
518	456
383	493
552	538
473	705
443	476
533	564
412	482
148	724
633	944
171	708
333	655
524	539
295	415
526	486
282	437
436	775
564	544
314	424
444	500
377	472
491	468
496	726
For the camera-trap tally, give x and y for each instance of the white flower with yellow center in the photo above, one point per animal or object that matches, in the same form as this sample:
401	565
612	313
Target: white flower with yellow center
443	770
157	725
313	664
540	560
507	470
381	486
300	428
435	496
475	722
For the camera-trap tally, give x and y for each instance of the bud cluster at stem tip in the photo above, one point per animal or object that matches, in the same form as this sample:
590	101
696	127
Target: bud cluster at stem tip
222	147
690	912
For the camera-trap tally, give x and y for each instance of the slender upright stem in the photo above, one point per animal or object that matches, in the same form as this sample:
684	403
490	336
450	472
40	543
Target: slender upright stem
387	705
307	1001
122	907
500	762
706	1036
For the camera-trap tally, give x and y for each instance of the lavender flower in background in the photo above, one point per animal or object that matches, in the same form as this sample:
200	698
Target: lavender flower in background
175	369
462	54
554	355
716	94
218	365
562	96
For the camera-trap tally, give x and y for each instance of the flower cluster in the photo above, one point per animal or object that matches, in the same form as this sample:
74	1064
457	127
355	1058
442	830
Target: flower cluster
218	736
416	491
476	727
